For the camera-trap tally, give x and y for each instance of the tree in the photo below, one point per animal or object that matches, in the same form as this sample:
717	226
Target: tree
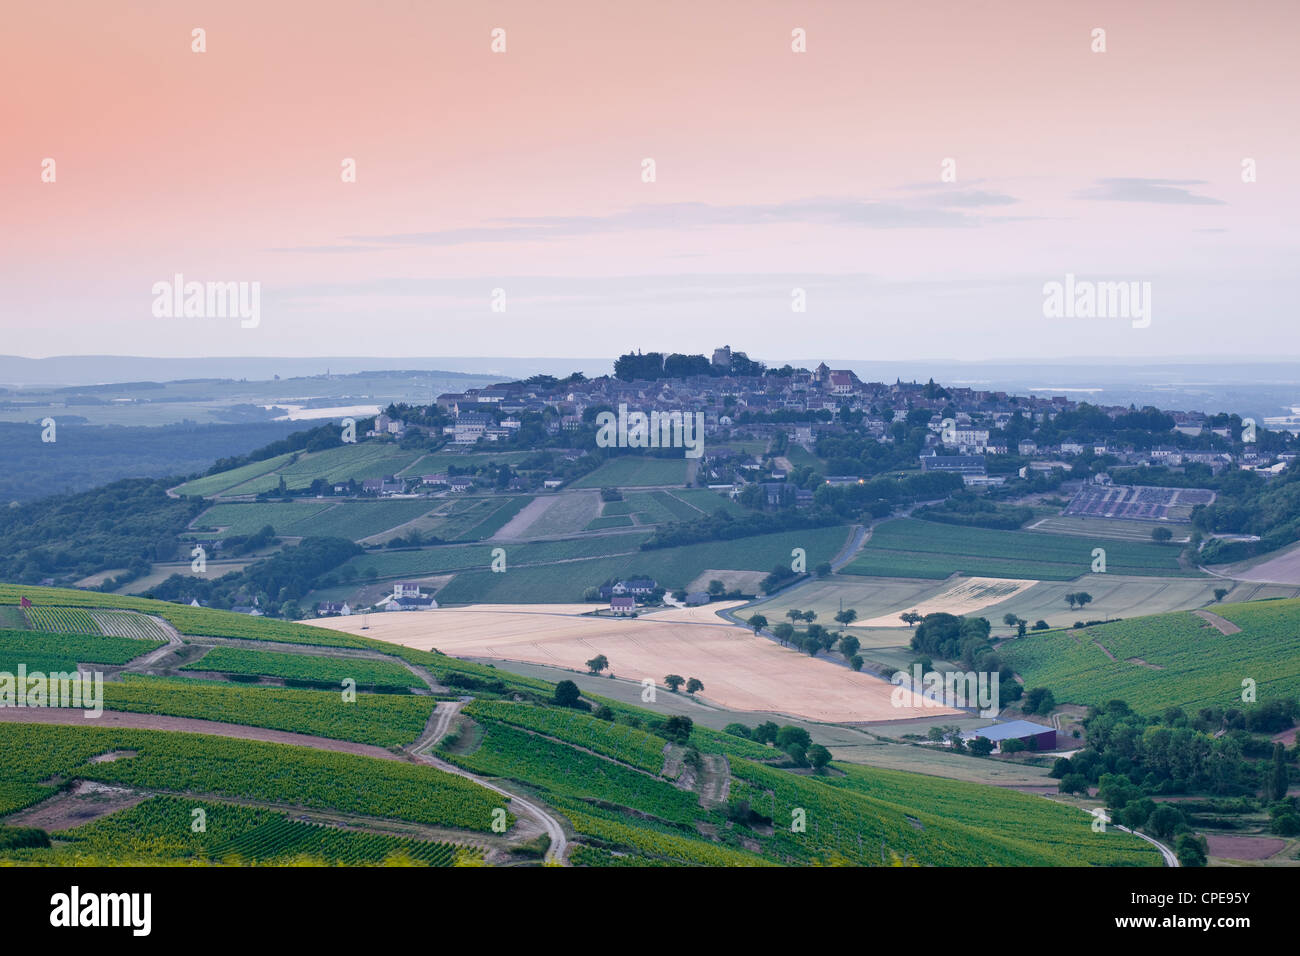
678	728
980	746
1280	779
1083	597
598	663
911	618
856	662
1164	820
790	734
846	616
818	756
765	733
758	622
1021	624
674	681
809	616
717	588
1009	620
849	645
794	614
604	712
1014	745
1220	594
783	632
823	570
694	685
737	730
1073	783
566	693
1161	535
1071	599
1039	700
1190	850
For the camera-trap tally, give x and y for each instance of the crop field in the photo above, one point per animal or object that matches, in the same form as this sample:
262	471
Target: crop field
1116	595
610	521
385	720
658	507
706	502
307	667
476	519
159	830
129	624
242	519
245	769
911	548
444	558
439	461
566	513
63	652
861	828
635	471
511	753
360	461
211	485
1167	660
619	742
740	671
650	842
15	795
318	517
61	620
671	567
1124	529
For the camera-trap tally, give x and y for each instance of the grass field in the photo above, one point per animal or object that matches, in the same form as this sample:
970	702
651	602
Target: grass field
331	670
1121	529
248	769
910	548
315	518
211	485
1167	660
159	831
385	720
359	461
565	513
612	521
444	558
63	652
671	567
634	471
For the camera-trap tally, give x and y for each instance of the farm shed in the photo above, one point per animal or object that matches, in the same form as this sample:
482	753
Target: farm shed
1022	730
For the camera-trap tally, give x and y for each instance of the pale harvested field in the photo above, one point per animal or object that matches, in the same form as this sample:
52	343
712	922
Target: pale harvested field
739	670
1281	568
964	597
704	614
566	513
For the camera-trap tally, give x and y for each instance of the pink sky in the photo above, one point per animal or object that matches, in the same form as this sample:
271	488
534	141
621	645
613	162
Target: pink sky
521	170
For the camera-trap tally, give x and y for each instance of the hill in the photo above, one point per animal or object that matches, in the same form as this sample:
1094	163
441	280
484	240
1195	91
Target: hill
418	775
1187	659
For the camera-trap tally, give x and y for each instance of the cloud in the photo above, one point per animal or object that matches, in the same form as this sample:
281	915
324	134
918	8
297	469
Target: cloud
1167	191
823	211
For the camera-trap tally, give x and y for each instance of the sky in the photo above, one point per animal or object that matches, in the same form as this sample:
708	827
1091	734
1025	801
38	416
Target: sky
523	170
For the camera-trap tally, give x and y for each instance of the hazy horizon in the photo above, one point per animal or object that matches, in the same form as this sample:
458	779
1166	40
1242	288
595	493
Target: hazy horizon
821	171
